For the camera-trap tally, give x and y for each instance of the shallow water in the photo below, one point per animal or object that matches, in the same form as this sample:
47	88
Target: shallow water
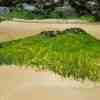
26	84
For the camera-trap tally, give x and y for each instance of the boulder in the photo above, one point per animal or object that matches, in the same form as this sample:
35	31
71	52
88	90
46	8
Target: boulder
4	10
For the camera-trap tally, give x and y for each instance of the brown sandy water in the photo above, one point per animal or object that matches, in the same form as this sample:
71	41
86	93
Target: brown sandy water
11	30
26	84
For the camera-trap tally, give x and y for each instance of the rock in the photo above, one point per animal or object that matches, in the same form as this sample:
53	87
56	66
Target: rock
28	7
4	10
50	33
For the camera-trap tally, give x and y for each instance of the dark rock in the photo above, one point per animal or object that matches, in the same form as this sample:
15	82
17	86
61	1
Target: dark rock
50	33
28	7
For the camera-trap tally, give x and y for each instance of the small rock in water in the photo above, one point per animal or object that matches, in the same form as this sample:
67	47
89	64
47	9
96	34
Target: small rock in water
50	33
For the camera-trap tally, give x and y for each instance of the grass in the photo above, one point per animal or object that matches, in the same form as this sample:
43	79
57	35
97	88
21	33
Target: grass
20	14
70	54
3	18
88	18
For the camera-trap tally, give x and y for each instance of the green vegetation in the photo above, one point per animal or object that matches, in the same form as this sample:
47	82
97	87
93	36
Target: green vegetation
2	19
88	18
22	14
70	54
82	7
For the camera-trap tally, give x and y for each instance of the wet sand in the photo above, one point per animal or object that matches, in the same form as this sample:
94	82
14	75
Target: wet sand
11	30
26	84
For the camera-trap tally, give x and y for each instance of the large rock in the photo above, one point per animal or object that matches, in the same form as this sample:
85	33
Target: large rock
4	10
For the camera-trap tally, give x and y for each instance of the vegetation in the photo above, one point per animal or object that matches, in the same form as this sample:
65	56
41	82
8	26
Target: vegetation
87	7
47	8
22	14
71	53
4	18
88	18
0	19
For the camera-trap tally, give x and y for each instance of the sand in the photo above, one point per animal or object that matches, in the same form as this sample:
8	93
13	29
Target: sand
12	30
26	84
